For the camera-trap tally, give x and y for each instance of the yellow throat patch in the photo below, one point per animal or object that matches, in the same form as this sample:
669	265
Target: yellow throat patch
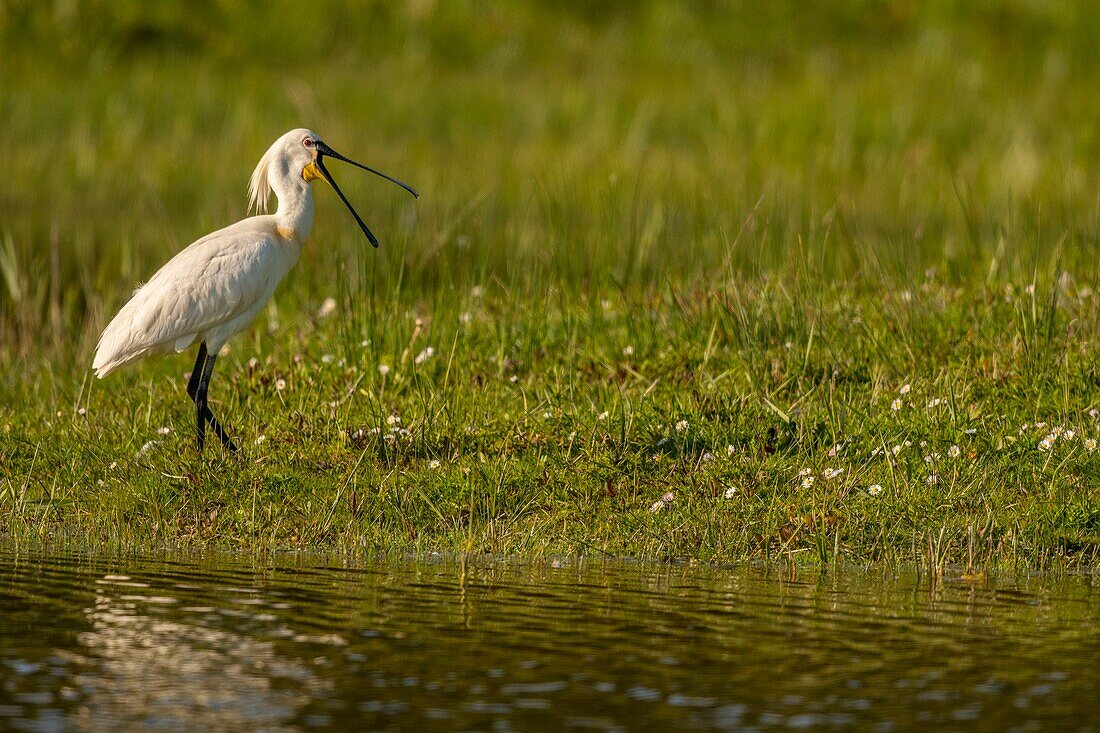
311	172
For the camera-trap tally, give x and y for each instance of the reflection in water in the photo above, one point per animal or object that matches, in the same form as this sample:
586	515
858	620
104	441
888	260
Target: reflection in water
305	644
195	673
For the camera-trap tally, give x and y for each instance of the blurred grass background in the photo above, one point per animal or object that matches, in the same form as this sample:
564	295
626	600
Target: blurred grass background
578	145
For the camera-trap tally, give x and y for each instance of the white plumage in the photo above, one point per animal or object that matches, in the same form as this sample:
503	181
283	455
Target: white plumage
213	289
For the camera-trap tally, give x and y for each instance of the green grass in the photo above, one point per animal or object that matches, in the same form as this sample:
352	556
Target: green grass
755	224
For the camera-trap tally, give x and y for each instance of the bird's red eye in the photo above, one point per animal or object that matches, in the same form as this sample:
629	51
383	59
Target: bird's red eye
308	143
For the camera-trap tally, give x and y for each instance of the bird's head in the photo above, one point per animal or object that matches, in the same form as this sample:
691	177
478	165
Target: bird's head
302	153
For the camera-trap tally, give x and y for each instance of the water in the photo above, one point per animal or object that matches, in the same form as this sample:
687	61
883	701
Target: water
186	643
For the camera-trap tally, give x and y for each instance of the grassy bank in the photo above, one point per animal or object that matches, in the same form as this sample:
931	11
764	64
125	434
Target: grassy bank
827	279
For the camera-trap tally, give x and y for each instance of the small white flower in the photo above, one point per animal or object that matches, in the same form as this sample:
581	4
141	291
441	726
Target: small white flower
1094	413
149	445
1039	425
628	351
513	379
970	431
603	415
424	355
831	473
393	420
730	450
1057	430
896	404
934	403
874	489
896	449
260	439
253	363
706	457
907	443
326	358
164	431
807	482
433	464
657	506
1046	443
953	452
805	472
465	317
1030	289
327	308
547	414
731	492
1069	435
905	389
668	498
1090	444
280	384
681	426
932	479
81	411
477	291
383	369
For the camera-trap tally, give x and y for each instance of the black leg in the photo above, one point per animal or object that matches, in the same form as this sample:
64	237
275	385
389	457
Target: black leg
197	388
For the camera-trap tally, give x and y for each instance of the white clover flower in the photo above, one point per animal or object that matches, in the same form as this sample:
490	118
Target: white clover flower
874	489
831	473
424	355
280	384
731	492
383	369
681	426
896	404
433	464
905	389
81	411
953	451
1090	444
807	482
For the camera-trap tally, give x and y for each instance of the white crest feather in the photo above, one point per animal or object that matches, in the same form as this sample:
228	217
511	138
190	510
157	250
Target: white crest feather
259	187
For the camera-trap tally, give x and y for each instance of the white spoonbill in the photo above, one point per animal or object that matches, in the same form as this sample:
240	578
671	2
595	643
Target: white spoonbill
215	287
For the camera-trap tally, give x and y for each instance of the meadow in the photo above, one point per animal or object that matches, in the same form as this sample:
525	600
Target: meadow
714	281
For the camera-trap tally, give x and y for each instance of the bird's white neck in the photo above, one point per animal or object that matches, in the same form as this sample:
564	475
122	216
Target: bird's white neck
295	212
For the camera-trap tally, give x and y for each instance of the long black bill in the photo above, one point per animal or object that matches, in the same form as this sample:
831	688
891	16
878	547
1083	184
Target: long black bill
322	151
